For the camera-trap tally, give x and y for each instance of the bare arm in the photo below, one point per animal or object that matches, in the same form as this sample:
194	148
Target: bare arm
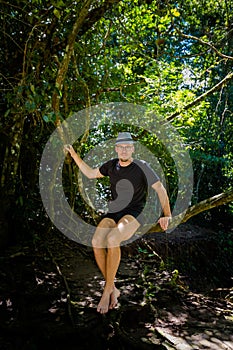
164	200
84	167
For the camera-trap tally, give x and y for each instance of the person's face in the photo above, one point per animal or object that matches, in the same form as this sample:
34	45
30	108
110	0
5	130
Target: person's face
124	151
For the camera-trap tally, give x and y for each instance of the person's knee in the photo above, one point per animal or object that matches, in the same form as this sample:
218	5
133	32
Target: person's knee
99	238
113	241
127	220
129	223
96	242
107	223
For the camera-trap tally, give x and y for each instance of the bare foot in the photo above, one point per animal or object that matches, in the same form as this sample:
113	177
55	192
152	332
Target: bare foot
113	298
103	305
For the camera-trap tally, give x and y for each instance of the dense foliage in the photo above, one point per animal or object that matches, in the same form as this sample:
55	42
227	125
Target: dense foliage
59	57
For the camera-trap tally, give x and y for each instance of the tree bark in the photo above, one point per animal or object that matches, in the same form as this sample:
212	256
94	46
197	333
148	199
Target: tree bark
83	22
207	204
61	74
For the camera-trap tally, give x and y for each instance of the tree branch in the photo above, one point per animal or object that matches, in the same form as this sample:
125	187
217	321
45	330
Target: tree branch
84	21
207	204
65	62
201	97
95	15
210	203
204	43
116	88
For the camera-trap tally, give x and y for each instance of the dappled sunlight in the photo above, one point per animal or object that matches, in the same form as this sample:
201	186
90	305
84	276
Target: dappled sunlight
74	75
155	308
195	325
191	324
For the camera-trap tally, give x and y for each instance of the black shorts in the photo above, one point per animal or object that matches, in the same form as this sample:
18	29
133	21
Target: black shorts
118	215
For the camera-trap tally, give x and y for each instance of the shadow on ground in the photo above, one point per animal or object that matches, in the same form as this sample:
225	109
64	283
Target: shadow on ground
49	293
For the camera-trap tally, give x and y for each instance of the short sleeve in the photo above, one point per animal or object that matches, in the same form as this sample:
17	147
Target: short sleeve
149	173
104	168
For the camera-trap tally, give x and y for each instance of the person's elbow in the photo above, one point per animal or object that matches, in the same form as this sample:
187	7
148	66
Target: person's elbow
94	174
158	187
91	175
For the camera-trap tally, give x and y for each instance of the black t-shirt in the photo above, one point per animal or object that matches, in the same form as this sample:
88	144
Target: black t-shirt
129	184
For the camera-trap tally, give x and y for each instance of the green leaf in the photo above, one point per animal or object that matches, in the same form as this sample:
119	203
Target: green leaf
7	113
57	13
175	12
32	87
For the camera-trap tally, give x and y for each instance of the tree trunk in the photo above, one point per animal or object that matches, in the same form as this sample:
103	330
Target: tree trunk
9	176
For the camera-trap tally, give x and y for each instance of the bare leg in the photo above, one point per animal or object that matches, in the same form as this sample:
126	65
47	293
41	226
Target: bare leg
108	298
126	227
99	243
101	257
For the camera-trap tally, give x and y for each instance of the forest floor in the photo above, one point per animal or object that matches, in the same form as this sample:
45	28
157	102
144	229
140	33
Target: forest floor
50	289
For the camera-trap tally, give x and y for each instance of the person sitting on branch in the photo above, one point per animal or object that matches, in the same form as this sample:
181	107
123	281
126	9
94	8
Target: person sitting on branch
129	181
